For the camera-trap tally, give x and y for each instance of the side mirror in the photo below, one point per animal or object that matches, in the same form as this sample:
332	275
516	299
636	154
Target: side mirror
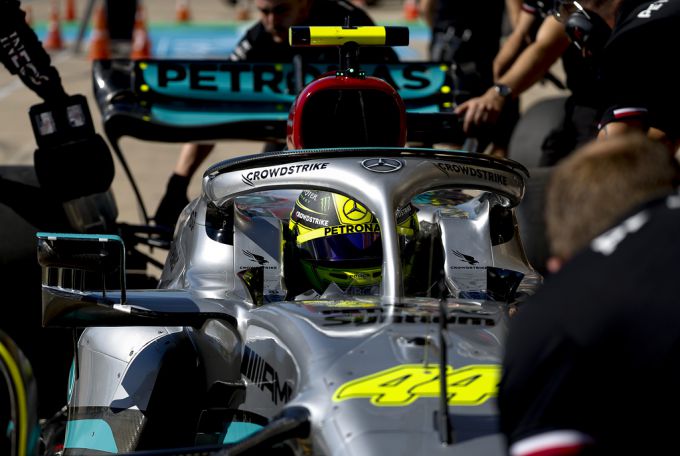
78	265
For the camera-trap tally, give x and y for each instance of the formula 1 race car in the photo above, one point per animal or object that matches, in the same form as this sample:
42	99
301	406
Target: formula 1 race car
349	295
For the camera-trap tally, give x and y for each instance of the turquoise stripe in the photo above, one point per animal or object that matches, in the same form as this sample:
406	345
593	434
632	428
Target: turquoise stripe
239	431
91	237
90	435
71	381
199	118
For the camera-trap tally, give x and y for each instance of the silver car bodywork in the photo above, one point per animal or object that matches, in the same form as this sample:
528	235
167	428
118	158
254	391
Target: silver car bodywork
221	350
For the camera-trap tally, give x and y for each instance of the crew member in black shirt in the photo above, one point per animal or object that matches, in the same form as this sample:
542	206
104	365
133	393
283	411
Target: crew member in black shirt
581	106
592	360
549	44
636	75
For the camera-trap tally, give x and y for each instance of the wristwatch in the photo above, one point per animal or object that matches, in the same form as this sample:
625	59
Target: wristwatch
503	90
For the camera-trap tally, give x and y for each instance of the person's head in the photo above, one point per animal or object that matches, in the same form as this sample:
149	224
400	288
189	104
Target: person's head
337	240
598	184
588	23
277	16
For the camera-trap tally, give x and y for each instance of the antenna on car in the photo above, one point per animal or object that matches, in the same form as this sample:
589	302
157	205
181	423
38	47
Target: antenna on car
443	420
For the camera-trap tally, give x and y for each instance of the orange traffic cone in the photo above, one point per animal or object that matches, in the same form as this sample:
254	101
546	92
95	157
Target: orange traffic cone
100	45
242	10
141	45
70	14
411	10
182	11
53	40
29	15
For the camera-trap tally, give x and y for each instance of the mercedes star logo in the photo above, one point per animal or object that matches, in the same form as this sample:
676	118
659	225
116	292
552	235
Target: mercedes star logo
353	210
382	165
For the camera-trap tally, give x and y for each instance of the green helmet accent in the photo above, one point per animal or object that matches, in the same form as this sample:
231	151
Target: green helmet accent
358	278
338	240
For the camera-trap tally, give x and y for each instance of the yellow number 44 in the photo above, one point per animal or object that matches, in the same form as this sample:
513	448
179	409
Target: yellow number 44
402	385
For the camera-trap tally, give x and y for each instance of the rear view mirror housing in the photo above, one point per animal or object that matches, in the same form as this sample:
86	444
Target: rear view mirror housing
76	268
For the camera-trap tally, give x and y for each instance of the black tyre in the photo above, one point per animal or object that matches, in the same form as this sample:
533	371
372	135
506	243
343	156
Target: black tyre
530	217
24	210
533	127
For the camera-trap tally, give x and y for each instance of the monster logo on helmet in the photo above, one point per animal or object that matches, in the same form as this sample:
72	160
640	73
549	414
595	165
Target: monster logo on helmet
338	240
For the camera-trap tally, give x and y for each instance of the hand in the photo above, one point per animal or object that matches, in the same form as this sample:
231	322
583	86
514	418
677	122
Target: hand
481	111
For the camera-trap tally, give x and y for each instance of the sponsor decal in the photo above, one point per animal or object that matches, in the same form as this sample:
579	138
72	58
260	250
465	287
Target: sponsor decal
673	202
607	242
382	165
259	259
248	80
466	258
192	220
465	170
354	211
656	6
280	171
173	256
18	56
404	384
348	229
310	218
263	375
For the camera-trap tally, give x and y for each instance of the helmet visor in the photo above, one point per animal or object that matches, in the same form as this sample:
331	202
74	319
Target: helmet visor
354	247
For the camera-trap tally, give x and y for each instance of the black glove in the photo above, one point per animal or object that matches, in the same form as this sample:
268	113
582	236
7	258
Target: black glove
71	160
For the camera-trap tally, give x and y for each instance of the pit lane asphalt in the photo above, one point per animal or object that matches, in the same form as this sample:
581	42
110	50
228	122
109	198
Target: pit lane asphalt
213	33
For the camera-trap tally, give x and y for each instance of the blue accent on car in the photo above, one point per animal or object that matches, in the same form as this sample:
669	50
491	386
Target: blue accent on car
90	434
80	236
71	381
239	431
171	116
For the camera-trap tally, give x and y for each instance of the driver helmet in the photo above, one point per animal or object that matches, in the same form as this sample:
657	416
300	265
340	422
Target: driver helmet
337	240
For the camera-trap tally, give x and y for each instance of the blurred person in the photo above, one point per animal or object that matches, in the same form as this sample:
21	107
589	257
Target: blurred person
584	353
467	35
636	77
519	66
267	41
120	15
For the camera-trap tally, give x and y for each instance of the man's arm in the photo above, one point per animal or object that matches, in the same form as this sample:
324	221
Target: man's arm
22	53
530	67
514	44
538	57
513	8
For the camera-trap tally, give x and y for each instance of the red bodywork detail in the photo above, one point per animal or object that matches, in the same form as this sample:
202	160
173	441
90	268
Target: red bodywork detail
294	129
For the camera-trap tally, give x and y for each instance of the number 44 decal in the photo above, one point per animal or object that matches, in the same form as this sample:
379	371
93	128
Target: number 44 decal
402	385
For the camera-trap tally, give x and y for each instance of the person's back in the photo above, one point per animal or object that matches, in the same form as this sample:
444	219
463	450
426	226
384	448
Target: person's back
581	106
598	338
578	350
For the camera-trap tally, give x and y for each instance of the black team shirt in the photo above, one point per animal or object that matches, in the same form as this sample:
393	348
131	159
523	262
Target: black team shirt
597	349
